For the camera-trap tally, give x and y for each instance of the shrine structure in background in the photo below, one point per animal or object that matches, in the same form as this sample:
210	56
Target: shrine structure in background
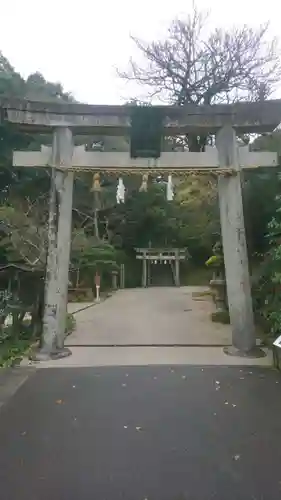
171	257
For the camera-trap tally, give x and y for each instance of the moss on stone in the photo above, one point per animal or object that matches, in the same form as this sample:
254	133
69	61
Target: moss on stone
220	317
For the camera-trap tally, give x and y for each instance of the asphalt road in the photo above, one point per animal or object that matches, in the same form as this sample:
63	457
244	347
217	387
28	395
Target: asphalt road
155	433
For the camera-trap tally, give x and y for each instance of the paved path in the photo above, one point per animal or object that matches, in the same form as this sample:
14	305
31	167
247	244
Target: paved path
152	316
155	433
150	327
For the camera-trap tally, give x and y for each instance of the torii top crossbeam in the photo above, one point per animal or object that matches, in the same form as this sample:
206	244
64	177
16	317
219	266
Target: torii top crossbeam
244	117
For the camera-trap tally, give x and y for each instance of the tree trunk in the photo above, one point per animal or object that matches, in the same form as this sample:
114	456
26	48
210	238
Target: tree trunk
96	214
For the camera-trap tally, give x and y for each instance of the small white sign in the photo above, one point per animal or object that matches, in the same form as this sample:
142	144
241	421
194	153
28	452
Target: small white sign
277	342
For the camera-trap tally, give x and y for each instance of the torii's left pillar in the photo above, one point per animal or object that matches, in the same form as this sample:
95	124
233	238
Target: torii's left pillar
59	244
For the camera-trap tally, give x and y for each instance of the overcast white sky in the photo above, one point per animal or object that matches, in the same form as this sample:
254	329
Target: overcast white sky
80	43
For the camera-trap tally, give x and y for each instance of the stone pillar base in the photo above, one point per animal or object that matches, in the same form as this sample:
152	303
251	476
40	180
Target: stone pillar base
256	352
41	355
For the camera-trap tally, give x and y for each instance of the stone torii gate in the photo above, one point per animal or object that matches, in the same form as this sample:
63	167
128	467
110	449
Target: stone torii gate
225	161
172	256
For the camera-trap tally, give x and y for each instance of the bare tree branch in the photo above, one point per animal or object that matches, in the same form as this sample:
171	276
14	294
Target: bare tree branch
190	66
26	239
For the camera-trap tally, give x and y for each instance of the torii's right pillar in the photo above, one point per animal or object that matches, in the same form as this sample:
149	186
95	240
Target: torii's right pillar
235	249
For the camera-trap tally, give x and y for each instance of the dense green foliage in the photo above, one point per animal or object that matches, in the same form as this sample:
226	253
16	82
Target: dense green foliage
268	283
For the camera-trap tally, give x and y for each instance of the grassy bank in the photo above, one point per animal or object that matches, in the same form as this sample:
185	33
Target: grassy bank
14	347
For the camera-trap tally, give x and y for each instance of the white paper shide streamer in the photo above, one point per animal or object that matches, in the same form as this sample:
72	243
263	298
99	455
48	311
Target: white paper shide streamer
120	193
170	189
